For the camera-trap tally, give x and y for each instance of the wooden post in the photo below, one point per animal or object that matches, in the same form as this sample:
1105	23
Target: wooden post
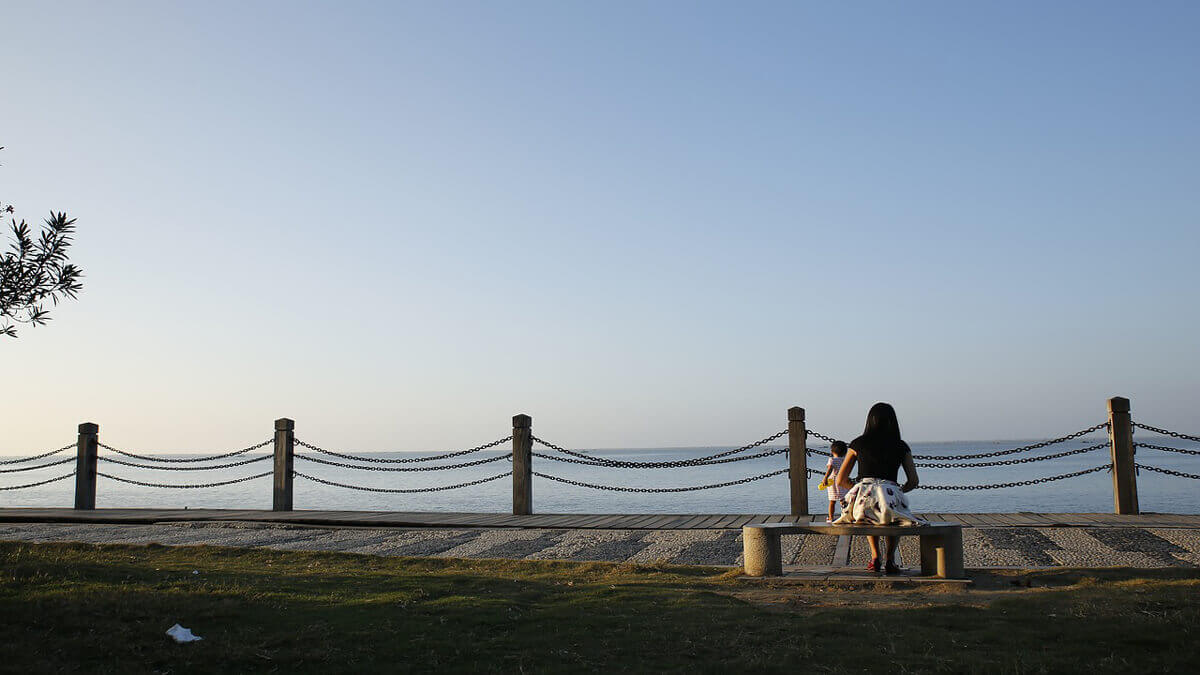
285	446
522	463
85	466
798	461
1124	473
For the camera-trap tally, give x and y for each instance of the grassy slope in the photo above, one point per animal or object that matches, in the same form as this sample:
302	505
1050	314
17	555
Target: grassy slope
67	607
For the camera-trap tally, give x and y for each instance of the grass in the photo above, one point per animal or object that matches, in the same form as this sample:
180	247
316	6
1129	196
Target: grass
104	609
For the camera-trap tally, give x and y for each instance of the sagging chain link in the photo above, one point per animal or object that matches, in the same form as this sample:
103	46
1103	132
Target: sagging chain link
39	466
1173	434
19	460
612	488
821	436
695	461
1019	483
402	490
1006	462
654	465
402	460
1167	448
439	467
1169	472
42	482
186	487
178	460
1013	451
135	465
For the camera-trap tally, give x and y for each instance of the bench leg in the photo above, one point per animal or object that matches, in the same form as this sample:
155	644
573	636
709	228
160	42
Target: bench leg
761	553
950	556
929	559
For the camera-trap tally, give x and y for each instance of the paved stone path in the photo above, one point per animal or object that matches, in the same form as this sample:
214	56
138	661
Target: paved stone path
983	547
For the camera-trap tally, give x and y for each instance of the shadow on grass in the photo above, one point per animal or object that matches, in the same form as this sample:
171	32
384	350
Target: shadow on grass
105	608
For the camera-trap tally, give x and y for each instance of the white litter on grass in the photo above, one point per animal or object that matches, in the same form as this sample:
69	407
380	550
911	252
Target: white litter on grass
182	635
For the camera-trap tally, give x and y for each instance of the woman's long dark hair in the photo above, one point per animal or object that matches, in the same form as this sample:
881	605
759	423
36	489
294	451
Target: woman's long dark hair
882	422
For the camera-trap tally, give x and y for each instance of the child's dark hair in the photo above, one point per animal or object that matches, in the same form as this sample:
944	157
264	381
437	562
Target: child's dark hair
838	448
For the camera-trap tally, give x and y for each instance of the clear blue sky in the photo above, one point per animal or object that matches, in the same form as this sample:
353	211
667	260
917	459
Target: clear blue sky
645	224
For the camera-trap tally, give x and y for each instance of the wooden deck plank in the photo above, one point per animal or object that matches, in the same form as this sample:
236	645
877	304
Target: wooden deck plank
707	522
966	519
740	521
726	520
641	521
691	523
661	522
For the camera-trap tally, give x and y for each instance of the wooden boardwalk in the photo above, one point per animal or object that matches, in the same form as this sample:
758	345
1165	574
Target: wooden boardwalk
643	521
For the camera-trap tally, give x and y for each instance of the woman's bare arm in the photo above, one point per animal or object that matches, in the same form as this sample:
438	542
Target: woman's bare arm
843	477
910	473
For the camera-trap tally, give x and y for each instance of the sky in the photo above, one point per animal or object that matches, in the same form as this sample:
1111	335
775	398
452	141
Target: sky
642	223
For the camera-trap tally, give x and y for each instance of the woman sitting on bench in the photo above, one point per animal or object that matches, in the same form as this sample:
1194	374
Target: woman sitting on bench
877	498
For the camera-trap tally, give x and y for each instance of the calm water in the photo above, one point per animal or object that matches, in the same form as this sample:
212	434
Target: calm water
1090	493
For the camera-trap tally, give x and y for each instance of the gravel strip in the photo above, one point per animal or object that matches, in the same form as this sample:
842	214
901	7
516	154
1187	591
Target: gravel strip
983	547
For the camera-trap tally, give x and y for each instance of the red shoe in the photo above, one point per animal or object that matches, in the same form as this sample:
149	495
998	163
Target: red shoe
873	566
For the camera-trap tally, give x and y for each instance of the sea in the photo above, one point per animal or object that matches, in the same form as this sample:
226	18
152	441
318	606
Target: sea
1089	493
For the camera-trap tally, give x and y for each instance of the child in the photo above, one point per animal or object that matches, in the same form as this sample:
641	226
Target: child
838	450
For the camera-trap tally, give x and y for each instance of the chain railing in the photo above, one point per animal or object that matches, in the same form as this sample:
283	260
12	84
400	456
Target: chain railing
184	460
617	464
1166	448
1019	483
324	457
615	488
1164	432
41	482
39	466
34	458
365	488
1013	451
438	467
114	460
1008	462
694	461
188	486
402	460
1169	472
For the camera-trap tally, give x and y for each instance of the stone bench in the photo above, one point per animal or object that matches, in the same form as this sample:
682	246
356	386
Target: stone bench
941	544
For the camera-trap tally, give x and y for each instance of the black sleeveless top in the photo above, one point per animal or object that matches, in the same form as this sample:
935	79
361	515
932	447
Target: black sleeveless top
879	457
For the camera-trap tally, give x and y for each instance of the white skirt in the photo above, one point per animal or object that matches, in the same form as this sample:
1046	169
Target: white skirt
877	501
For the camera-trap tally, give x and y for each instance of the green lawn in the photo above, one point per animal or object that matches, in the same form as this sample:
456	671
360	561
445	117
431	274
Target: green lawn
77	607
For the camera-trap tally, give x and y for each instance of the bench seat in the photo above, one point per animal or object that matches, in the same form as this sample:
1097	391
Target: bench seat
941	544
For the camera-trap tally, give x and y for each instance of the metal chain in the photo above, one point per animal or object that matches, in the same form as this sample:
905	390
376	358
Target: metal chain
821	436
662	465
175	460
1168	449
43	482
678	489
441	467
1166	433
39	466
408	491
1026	460
1169	472
402	460
37	457
169	485
615	464
1019	483
185	468
1024	448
